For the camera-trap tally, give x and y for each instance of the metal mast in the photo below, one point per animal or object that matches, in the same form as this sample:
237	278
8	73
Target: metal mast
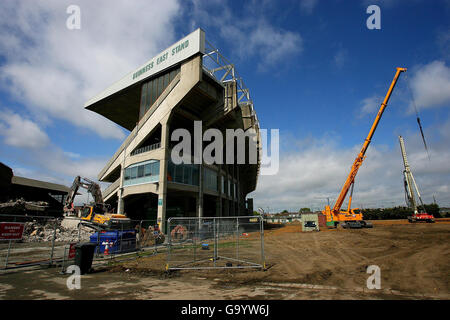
409	181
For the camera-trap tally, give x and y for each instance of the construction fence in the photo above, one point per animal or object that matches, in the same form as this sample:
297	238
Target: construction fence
215	243
48	241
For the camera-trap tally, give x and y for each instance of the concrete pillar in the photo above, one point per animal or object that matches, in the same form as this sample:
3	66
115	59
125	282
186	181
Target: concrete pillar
196	204
219	179
217	202
200	191
120	201
162	188
233	203
238	193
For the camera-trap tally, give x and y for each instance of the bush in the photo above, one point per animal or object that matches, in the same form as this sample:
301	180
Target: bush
397	212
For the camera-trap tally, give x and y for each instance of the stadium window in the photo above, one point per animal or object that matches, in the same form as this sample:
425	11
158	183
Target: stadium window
147	170
133	173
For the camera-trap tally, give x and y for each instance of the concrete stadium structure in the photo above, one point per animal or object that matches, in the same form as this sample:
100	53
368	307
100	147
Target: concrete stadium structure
189	81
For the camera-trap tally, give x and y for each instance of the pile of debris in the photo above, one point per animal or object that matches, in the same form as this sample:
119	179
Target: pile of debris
151	237
21	206
179	233
37	231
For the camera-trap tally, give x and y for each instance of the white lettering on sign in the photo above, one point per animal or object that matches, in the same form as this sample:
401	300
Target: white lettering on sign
185	48
11	230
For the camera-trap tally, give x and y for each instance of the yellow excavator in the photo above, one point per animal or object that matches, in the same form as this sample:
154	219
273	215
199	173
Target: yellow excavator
94	215
353	218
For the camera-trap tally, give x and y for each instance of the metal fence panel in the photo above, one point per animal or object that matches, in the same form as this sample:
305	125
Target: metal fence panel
41	244
46	241
215	242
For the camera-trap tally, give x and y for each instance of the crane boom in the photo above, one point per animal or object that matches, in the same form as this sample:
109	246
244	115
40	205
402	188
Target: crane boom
408	178
360	158
333	214
410	186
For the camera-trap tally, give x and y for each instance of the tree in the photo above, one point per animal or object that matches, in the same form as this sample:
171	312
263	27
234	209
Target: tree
433	209
304	210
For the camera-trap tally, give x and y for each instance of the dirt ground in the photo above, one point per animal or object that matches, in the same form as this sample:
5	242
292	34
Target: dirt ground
414	261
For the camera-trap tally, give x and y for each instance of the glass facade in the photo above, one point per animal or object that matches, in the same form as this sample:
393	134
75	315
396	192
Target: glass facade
143	172
223	184
152	89
183	173
210	179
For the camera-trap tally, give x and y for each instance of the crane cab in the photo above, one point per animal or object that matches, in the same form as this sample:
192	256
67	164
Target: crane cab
352	218
95	216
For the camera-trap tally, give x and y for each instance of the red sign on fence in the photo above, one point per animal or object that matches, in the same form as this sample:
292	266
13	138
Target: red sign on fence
72	251
11	230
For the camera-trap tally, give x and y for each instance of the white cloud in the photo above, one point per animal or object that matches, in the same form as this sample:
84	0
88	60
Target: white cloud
443	41
308	176
53	70
72	155
61	170
370	105
275	43
431	85
340	57
52	164
250	36
21	132
382	3
308	6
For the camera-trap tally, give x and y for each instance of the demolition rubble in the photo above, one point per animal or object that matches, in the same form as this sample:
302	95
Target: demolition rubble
36	231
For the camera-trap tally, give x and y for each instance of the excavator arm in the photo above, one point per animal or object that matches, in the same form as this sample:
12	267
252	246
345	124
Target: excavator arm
95	216
92	187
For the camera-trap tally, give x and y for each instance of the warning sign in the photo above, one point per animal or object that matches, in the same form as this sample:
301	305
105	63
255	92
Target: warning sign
72	251
11	230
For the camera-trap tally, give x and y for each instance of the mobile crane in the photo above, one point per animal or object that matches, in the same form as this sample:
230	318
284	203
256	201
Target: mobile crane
351	218
409	182
94	215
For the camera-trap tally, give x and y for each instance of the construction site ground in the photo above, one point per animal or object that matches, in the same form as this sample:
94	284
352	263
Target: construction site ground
414	261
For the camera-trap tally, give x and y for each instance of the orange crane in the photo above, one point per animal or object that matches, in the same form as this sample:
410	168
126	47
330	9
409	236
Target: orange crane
350	218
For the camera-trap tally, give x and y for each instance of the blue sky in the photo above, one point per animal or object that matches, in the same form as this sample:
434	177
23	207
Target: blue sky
313	68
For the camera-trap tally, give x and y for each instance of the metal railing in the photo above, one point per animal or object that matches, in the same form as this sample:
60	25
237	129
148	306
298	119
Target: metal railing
223	70
146	148
110	189
215	243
